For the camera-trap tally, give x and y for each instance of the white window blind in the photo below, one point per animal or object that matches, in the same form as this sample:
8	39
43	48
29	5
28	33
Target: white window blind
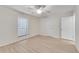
22	26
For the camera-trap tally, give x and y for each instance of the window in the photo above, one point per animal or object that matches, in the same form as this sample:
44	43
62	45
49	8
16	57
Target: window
22	26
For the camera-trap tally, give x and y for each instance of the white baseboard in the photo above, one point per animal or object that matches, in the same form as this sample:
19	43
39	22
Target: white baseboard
50	35
17	39
23	38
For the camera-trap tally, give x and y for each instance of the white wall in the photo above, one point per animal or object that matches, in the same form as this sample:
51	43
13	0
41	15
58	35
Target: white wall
50	26
77	26
8	25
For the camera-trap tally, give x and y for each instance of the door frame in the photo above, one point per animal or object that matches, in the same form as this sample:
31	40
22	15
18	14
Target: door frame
60	34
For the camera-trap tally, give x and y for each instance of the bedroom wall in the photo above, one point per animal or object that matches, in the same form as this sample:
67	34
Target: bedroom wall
77	26
8	25
50	26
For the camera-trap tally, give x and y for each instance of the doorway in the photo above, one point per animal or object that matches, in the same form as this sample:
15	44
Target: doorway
68	28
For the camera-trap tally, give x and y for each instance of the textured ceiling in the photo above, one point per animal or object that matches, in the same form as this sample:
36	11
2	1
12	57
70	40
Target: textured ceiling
47	10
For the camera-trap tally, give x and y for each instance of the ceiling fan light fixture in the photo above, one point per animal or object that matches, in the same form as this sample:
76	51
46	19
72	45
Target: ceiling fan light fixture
39	11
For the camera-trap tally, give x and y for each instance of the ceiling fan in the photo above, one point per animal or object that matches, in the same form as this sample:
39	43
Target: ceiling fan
39	8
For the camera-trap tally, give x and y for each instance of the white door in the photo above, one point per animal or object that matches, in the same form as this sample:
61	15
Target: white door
68	28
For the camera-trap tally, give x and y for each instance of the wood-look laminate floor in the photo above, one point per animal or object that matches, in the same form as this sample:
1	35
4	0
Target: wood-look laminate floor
40	44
